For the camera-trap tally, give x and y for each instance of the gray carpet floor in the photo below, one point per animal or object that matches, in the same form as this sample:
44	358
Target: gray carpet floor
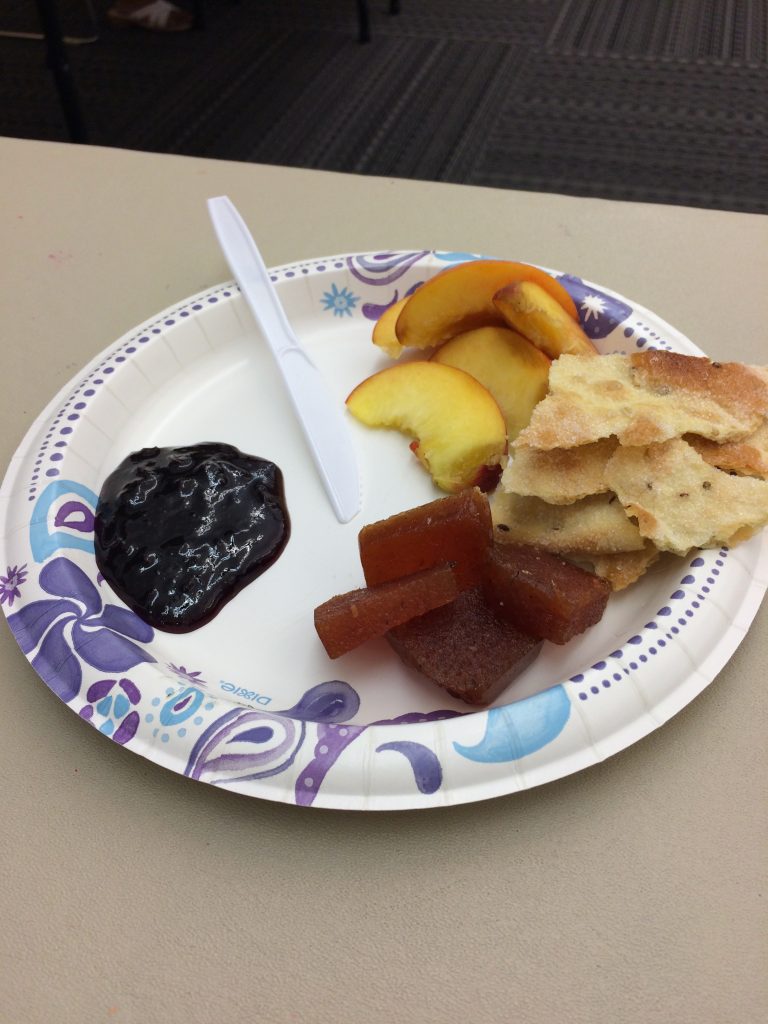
651	100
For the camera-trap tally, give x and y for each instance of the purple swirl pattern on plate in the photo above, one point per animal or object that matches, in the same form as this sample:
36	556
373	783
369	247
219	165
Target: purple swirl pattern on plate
73	626
328	703
111	706
384	267
333	740
244	745
425	764
373	310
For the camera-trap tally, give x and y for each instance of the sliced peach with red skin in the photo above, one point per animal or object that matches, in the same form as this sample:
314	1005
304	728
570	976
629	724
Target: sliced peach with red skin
514	371
532	311
459	429
461	298
384	329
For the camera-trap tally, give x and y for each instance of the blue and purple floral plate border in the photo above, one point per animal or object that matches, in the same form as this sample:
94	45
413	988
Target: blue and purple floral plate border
98	657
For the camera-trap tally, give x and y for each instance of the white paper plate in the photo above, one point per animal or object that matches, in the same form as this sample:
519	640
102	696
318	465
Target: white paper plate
250	702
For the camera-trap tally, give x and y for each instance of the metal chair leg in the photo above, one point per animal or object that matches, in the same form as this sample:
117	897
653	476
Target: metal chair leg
363	20
57	61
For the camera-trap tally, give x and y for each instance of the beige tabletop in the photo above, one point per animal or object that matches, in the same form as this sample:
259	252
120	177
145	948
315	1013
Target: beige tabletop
631	892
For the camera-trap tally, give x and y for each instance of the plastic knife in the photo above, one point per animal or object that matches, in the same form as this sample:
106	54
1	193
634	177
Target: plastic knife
320	415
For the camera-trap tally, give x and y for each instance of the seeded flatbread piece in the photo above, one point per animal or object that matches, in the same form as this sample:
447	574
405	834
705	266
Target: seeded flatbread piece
560	475
626	567
748	457
734	387
645	398
596	525
680	501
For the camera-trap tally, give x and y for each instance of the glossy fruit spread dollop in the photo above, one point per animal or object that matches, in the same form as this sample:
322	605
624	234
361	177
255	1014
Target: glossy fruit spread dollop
179	531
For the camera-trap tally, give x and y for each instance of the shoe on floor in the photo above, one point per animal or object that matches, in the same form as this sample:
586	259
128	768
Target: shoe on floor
153	15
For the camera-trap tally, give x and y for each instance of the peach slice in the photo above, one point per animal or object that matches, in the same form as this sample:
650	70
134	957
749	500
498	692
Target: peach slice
514	371
461	298
460	431
384	329
533	312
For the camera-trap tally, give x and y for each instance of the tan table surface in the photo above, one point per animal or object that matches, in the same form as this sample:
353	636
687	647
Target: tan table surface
631	892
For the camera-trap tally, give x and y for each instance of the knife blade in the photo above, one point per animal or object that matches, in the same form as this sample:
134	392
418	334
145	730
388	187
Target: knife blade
319	414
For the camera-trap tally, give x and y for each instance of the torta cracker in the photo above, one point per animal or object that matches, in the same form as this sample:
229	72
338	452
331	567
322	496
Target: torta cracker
626	567
646	398
596	525
748	457
559	475
680	501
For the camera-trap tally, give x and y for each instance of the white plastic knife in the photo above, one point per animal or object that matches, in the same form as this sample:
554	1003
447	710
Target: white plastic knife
320	415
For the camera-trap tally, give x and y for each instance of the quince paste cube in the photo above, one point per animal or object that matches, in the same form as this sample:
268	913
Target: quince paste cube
541	593
456	529
346	621
465	648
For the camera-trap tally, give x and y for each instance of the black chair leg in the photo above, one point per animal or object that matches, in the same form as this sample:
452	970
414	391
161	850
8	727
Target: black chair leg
57	61
394	6
363	21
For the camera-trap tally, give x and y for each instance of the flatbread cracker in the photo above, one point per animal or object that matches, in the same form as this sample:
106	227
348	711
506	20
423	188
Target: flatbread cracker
626	567
738	389
596	525
680	501
561	475
748	457
646	398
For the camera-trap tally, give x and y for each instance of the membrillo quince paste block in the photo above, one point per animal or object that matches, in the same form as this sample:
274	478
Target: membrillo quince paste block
455	529
465	648
541	593
346	621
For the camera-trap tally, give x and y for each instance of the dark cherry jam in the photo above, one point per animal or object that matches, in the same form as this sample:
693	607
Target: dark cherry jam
179	531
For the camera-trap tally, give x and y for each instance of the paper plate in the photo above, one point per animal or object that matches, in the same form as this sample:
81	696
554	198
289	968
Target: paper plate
250	702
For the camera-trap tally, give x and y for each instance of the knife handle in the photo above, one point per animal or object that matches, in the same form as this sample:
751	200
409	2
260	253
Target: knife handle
242	252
